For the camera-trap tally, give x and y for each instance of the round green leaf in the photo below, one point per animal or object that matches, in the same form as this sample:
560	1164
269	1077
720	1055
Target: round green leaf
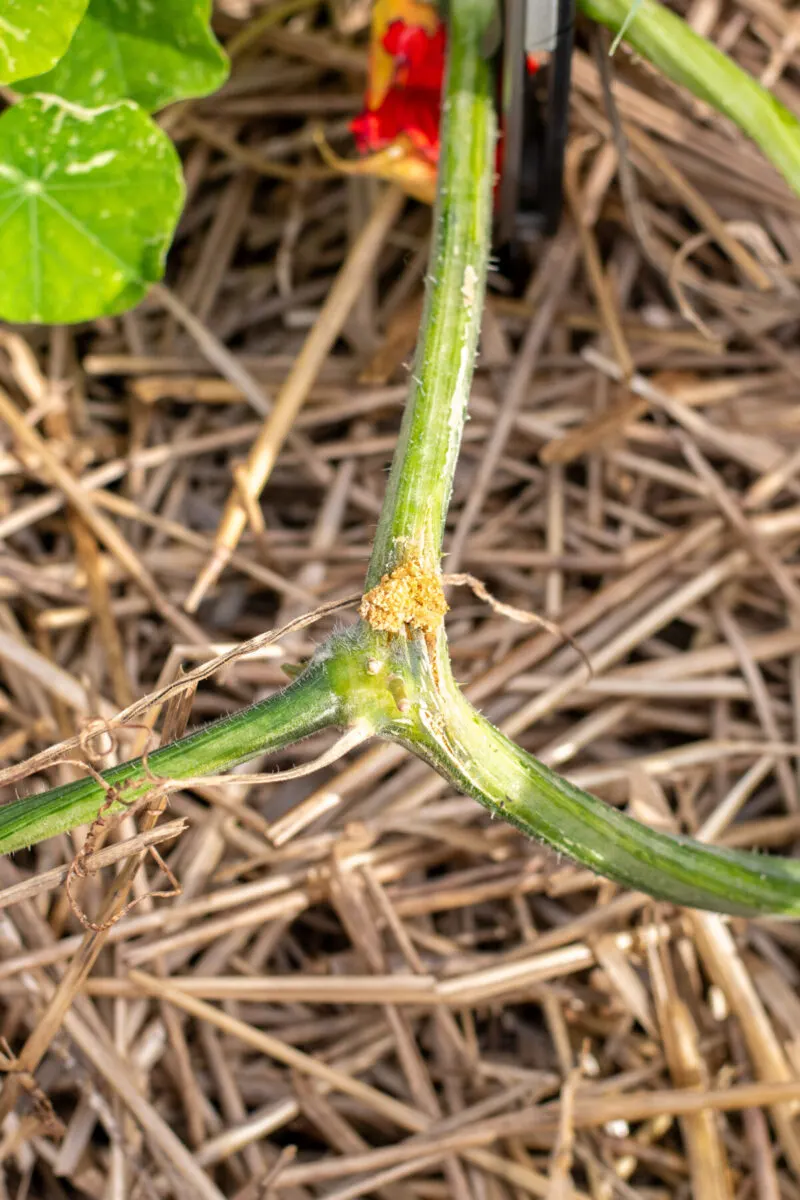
89	200
150	51
34	34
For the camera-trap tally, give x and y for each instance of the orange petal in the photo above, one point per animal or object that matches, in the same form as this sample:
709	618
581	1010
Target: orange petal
381	64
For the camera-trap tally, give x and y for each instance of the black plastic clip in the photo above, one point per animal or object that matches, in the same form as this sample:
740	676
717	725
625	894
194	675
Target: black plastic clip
535	66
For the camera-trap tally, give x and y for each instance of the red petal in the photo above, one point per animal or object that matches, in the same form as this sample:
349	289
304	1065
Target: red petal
420	57
412	105
366	129
422	114
404	111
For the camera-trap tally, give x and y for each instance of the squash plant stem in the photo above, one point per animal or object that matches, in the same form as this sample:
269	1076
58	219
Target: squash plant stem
390	673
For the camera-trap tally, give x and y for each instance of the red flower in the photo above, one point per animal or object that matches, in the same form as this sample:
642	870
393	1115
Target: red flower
398	131
411	106
419	57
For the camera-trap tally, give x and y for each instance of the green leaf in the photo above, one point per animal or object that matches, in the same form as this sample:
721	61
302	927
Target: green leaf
150	51
34	34
89	200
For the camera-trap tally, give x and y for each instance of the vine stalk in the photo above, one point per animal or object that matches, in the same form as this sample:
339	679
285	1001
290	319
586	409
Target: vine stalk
390	673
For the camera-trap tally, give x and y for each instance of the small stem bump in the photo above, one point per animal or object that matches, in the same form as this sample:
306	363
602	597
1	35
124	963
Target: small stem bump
399	693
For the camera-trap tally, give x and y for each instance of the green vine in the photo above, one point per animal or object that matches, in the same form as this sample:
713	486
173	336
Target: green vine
688	59
390	674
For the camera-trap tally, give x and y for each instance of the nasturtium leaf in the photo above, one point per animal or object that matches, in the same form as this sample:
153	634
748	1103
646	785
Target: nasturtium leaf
34	34
89	200
150	51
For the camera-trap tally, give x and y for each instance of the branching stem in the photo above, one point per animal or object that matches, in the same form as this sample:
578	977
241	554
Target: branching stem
390	674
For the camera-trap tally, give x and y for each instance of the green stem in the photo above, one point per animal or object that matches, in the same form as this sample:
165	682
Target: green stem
479	760
306	706
407	692
685	57
421	478
440	725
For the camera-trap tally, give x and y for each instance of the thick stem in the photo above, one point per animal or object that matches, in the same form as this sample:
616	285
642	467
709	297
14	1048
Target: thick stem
306	706
685	57
479	760
438	723
421	477
411	697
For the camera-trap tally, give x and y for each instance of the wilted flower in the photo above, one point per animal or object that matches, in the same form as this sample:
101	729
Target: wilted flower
398	131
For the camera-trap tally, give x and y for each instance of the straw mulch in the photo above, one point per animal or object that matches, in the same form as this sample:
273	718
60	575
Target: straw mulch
365	987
